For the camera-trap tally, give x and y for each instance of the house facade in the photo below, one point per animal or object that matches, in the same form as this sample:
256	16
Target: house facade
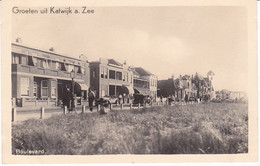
195	86
111	78
39	77
145	82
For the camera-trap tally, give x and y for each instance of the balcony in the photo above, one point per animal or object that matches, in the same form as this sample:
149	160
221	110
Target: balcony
45	72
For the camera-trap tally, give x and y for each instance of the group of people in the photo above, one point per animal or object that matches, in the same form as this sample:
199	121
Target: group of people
68	99
124	98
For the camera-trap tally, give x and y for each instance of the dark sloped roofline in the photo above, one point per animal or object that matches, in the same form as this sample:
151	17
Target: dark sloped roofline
114	62
142	71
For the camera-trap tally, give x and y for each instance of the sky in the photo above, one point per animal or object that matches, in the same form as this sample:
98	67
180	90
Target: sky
164	40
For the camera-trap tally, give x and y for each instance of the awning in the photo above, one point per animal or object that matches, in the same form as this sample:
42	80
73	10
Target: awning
126	89
130	89
142	91
83	86
80	87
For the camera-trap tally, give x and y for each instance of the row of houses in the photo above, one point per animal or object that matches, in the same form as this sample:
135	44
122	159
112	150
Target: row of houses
230	95
39	77
192	86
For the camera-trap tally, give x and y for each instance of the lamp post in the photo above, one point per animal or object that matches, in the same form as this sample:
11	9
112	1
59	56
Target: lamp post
72	75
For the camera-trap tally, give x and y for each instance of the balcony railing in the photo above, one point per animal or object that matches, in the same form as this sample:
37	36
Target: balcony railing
44	71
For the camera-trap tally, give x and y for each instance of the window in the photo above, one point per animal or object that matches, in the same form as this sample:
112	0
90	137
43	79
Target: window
112	74
48	64
40	63
102	72
25	87
16	58
56	65
70	68
24	60
35	89
65	67
77	69
44	86
119	75
45	64
29	61
53	88
61	66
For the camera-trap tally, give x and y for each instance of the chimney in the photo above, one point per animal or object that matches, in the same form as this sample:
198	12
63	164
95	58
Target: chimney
18	40
52	49
83	57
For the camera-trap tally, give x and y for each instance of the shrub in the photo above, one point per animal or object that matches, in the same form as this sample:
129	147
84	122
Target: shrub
212	128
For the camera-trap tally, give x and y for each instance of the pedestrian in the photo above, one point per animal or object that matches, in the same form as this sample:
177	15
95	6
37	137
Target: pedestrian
66	99
186	98
124	96
161	98
120	98
91	97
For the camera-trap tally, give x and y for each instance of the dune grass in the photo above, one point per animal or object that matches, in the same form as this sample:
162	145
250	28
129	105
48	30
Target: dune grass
212	128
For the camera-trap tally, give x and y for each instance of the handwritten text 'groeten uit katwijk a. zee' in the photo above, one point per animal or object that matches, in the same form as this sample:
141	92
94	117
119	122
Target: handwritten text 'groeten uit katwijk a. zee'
53	10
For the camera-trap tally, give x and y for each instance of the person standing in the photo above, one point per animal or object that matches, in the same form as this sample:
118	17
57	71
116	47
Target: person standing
186	98
66	98
91	97
119	98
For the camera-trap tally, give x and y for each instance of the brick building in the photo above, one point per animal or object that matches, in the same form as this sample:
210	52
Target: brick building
39	77
111	78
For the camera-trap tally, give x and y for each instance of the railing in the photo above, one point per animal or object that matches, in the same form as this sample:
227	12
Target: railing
44	71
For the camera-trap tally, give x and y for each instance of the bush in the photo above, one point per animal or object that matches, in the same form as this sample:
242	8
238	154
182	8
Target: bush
212	128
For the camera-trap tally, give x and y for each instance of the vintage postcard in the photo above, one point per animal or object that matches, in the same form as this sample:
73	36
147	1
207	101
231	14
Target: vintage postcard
129	81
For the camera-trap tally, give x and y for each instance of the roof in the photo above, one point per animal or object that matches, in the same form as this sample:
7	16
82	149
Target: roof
135	73
114	62
198	76
170	83
45	51
142	72
186	77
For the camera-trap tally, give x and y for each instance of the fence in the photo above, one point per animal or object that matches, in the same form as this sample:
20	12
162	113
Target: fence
41	112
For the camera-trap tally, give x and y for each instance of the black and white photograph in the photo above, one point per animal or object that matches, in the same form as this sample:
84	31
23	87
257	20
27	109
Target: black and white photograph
129	80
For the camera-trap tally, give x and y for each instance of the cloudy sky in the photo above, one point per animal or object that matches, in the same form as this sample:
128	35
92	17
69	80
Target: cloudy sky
164	40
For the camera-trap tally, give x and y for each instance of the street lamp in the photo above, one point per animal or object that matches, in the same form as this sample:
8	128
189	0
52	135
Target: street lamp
72	75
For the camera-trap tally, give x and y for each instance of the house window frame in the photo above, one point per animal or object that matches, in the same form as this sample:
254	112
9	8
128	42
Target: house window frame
44	88
53	89
35	89
23	88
